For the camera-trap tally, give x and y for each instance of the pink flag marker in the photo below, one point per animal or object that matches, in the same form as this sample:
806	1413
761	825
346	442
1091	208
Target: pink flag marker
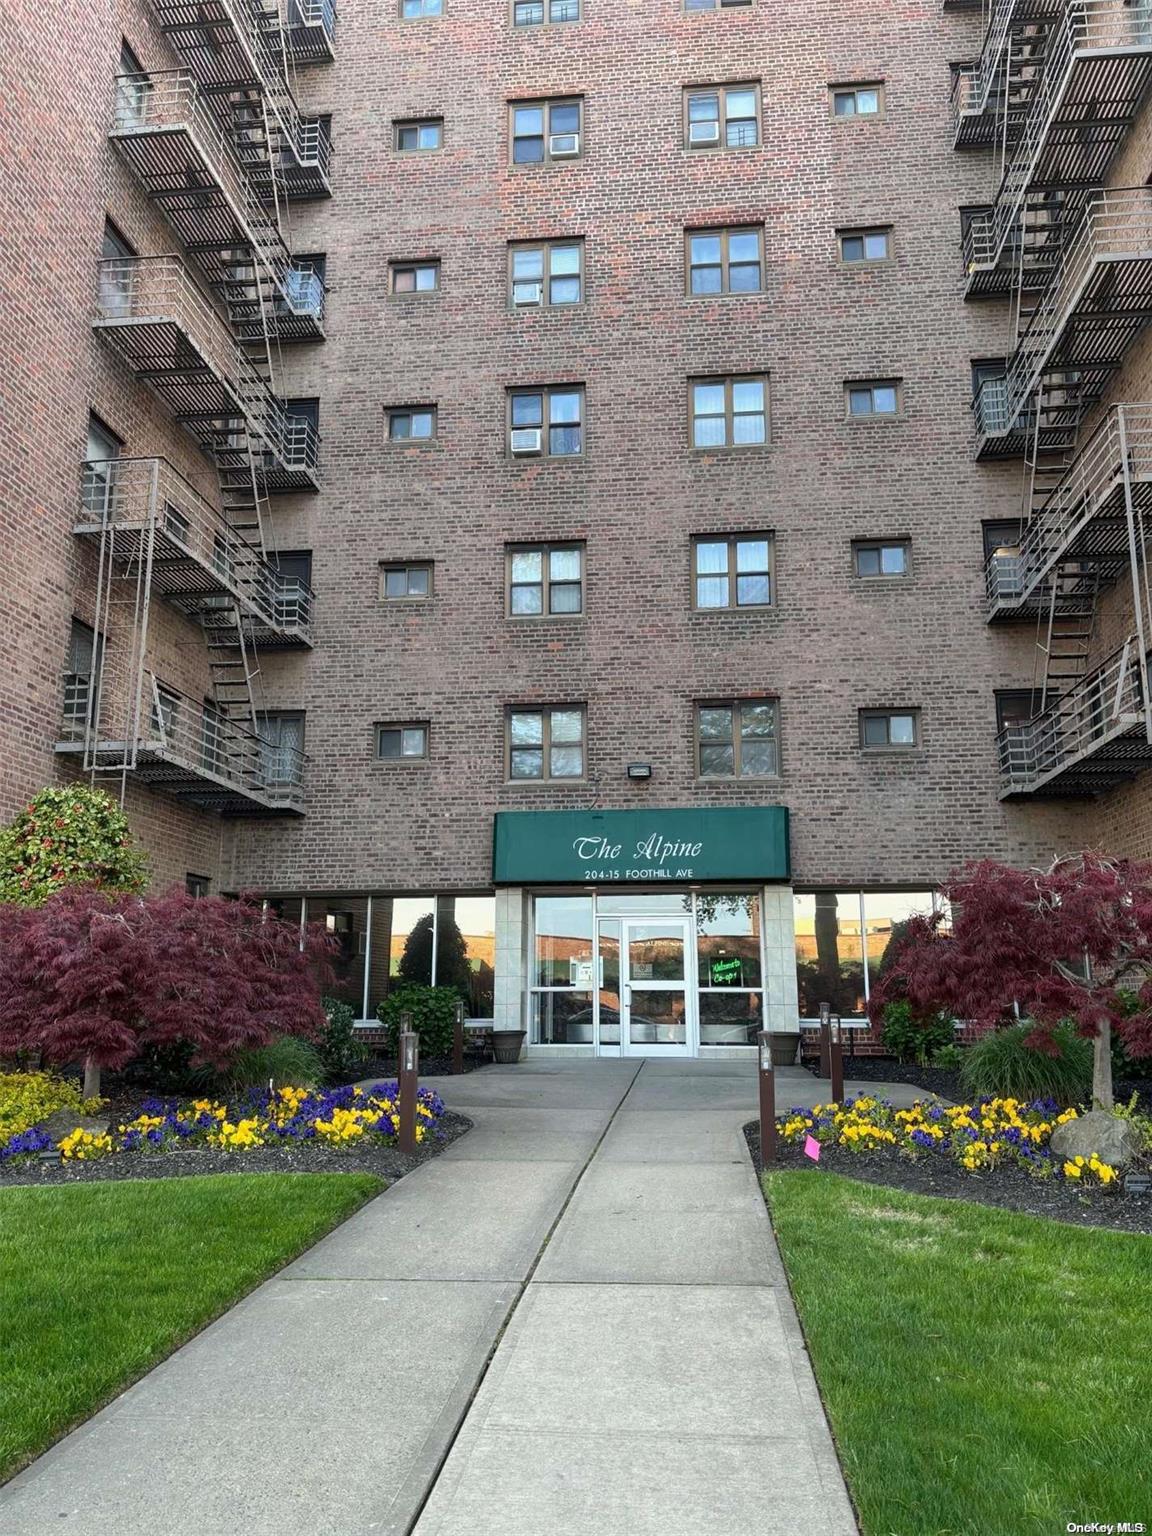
812	1148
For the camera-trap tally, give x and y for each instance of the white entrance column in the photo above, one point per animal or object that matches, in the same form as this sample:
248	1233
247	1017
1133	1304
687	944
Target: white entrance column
511	934
780	958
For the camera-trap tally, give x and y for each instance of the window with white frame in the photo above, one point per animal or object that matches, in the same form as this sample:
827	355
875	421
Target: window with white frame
841	940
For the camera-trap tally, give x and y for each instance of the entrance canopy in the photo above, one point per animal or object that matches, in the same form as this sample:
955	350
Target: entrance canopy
605	847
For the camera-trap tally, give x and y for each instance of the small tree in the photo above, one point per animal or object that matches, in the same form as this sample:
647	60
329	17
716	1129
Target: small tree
69	835
1073	941
101	977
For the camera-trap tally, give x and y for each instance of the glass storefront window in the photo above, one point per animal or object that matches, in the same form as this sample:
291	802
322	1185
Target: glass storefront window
562	1018
729	967
410	939
841	940
885	915
563	930
466	950
622	904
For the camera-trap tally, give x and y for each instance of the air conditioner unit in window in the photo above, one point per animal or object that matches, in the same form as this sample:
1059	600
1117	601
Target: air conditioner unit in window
527	293
526	440
561	146
703	133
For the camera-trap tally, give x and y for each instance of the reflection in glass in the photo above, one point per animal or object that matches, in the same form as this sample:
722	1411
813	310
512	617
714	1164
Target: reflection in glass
563	942
886	915
410	946
655	952
730	1018
345	919
657	1017
466	950
562	1018
645	904
610	981
728	939
829	953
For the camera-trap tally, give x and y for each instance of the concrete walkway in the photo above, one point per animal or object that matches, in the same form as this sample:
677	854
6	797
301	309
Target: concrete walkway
573	1323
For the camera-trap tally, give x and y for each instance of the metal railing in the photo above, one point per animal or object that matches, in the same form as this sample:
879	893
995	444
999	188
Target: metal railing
146	498
162	290
1086	26
302	293
973	83
311	15
176	729
1116	226
1118	454
1103	704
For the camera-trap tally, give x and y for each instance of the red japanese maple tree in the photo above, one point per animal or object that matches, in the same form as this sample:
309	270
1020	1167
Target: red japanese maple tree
1073	941
99	977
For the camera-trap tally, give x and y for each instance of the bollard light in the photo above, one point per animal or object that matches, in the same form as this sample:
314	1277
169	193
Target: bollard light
836	1057
825	1039
409	1067
409	1047
766	1062
767	1076
458	1038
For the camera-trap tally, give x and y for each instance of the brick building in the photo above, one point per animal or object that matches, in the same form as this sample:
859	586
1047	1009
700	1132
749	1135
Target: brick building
601	507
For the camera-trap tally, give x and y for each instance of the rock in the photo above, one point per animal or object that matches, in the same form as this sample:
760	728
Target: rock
65	1121
1113	1140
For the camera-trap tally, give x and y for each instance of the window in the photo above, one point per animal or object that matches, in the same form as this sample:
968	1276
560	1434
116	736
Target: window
413	423
857	100
118	273
722	116
1015	707
712	5
82	679
865	245
543	131
868	400
876	559
536	13
898	729
395	742
302	430
729	413
103	447
737	739
414	10
415	137
304	285
725	261
733	571
293	585
133	88
546	421
197	885
545	580
988	374
546	743
415	276
281	747
165	712
411	581
548	274
841	940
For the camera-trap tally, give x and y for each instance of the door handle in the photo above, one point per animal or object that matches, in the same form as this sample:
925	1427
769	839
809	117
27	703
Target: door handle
628	993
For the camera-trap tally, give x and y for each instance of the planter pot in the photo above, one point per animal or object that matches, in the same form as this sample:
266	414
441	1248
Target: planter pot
506	1044
783	1049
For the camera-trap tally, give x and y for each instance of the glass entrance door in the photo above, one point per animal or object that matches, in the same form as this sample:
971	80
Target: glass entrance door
657	991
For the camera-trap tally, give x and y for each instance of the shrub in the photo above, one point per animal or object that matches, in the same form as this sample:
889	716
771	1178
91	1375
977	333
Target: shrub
68	835
1002	1064
948	1058
912	1038
26	1098
286	1062
433	1011
342	1051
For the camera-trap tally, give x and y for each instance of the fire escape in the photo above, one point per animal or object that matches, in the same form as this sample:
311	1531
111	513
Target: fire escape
1053	95
219	147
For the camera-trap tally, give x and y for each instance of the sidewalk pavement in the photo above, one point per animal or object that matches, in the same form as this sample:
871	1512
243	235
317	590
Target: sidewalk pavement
572	1323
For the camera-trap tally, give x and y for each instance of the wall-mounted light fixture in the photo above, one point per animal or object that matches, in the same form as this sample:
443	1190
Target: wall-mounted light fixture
639	770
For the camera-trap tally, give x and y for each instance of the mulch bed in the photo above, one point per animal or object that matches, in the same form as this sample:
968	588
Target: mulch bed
295	1157
1008	1188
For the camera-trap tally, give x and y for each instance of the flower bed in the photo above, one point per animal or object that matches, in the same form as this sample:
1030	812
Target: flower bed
27	1098
341	1118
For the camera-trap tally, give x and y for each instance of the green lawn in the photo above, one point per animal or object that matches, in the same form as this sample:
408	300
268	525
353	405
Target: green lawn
100	1281
983	1371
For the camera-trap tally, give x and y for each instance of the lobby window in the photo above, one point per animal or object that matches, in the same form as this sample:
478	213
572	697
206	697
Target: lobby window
403	742
881	559
539	13
725	261
737	739
548	274
861	247
545	580
896	730
544	131
416	10
563	970
877	400
722	117
407	581
547	422
414	276
734	571
729	413
546	743
841	941
729	967
412	423
858	100
419	136
198	886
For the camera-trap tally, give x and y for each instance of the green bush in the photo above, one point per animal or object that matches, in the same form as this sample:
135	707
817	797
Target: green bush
288	1062
26	1098
342	1050
910	1038
68	835
948	1058
1001	1065
433	1011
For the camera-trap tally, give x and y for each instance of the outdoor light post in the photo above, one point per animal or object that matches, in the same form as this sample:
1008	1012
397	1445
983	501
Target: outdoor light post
825	1039
409	1070
836	1058
458	1038
767	1100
